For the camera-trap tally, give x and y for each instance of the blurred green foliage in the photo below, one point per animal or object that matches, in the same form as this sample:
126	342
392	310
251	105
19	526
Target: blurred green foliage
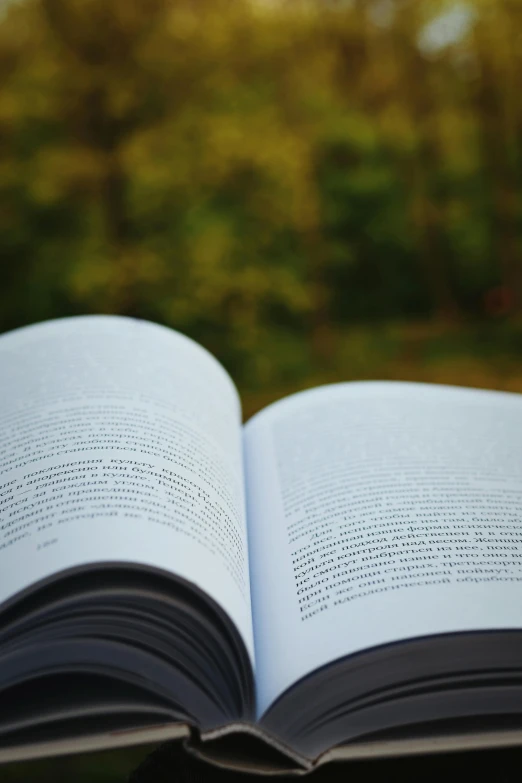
268	177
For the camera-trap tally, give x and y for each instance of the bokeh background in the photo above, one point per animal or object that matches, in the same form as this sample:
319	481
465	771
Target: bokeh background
315	190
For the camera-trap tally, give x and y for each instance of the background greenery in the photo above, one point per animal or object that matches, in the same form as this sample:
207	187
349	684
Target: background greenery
315	190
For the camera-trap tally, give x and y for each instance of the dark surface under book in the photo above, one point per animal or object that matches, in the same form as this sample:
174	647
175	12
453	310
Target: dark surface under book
168	764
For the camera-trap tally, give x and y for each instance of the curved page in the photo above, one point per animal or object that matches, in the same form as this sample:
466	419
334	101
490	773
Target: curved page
120	441
380	512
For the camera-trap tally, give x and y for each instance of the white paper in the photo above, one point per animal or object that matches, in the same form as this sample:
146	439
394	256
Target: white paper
120	441
380	512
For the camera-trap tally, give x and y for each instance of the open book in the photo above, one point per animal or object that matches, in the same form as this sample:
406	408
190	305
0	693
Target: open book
340	577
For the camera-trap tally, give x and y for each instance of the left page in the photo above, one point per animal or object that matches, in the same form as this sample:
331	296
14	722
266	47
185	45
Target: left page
120	441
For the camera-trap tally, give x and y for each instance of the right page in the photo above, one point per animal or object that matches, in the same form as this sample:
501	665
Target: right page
379	512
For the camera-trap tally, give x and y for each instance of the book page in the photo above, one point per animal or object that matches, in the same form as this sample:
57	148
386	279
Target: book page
120	441
380	512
